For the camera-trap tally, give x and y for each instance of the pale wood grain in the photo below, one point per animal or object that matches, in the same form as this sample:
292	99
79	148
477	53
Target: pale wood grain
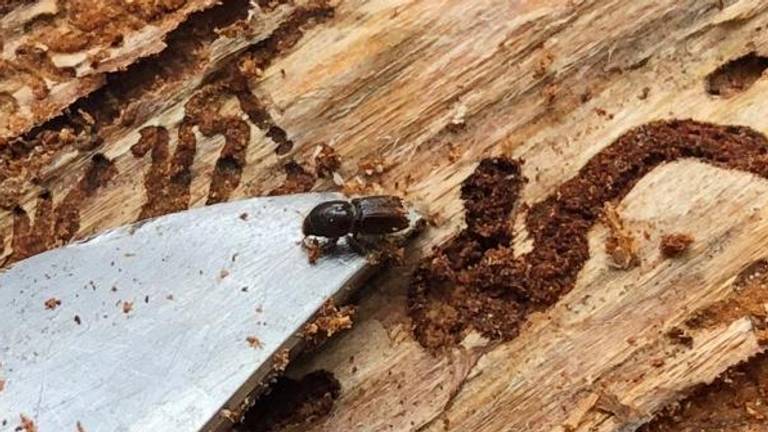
387	77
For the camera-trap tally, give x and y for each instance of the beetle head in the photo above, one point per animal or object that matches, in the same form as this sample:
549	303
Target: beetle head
330	219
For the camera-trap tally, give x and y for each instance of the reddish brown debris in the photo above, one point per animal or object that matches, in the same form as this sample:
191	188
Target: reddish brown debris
127	307
620	244
372	166
168	178
441	306
314	249
253	341
52	303
57	227
280	360
736	401
27	424
674	245
681	337
327	161
297	180
475	281
330	320
747	299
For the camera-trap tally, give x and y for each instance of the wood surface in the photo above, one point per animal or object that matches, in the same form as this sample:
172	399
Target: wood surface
433	86
35	90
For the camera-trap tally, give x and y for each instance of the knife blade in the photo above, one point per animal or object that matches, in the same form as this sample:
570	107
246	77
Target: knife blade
146	327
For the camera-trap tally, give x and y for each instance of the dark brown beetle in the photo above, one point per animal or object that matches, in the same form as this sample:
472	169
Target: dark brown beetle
373	215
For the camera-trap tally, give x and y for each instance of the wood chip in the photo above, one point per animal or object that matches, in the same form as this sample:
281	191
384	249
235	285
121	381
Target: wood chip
52	303
127	307
254	342
27	424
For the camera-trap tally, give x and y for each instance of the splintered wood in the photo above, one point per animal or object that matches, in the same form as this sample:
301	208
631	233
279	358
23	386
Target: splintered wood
54	52
603	265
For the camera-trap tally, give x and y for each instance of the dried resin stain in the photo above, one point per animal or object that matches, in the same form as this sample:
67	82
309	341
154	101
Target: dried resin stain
476	282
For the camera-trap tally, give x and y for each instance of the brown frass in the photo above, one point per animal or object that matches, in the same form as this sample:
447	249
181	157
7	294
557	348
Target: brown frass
327	161
475	281
674	245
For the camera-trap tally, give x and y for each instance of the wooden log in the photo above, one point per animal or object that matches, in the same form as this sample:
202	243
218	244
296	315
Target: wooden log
55	52
425	89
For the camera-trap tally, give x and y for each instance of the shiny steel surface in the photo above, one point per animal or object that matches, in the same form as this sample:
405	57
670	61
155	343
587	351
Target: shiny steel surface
201	282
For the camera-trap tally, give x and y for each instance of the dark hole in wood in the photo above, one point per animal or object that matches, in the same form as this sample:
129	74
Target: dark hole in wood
737	75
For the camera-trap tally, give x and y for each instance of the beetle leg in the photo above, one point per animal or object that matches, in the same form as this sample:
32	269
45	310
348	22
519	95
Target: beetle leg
356	245
330	243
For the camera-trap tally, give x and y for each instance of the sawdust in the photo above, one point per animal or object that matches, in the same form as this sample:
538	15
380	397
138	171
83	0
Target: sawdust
127	307
620	244
315	249
254	342
292	404
27	424
327	161
168	178
440	305
475	281
52	303
229	166
681	337
737	400
328	321
118	104
372	166
87	28
280	360
675	245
